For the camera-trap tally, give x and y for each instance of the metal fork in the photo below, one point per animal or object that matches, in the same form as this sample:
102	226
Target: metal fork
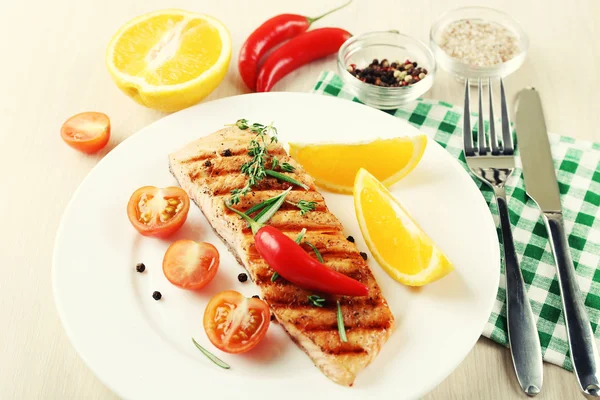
493	167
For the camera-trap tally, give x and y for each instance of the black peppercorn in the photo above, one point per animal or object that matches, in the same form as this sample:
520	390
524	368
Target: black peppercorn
350	239
226	153
256	296
207	163
242	277
156	295
140	267
363	255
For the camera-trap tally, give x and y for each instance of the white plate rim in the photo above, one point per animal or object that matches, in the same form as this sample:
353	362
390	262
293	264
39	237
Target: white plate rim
60	231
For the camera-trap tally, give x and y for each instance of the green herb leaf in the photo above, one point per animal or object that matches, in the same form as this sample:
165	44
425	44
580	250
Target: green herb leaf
270	211
300	236
242	124
251	223
287	167
316	301
305	206
282	177
274	277
261	213
262	205
340	323
274	163
211	356
317	252
257	149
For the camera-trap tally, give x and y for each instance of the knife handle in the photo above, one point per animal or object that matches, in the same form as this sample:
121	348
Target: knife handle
522	332
582	343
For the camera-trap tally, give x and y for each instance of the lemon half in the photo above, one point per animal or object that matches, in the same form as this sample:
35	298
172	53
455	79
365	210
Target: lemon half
169	59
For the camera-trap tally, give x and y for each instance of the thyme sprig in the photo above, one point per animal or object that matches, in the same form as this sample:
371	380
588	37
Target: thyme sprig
256	169
304	206
258	150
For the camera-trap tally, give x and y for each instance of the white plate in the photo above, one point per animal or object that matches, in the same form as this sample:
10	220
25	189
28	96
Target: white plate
142	348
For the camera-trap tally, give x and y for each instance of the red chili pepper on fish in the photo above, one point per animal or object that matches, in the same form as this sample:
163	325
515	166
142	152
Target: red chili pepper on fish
294	264
300	50
270	34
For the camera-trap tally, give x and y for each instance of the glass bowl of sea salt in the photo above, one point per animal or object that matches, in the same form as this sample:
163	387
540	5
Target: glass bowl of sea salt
478	42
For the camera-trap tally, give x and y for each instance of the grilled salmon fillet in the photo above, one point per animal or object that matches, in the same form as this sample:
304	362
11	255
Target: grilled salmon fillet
208	169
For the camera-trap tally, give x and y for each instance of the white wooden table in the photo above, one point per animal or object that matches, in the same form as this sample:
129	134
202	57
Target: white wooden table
52	66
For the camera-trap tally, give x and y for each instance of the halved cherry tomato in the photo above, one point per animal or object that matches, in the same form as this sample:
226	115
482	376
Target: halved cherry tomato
158	212
88	132
234	323
190	265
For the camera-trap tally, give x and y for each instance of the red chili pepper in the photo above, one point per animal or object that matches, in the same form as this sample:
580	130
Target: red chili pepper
300	50
271	33
294	264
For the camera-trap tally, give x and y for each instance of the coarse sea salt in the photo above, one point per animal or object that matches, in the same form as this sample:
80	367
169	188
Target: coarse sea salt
479	43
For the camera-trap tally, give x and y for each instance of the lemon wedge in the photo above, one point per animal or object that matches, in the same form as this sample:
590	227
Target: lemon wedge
396	241
169	59
334	166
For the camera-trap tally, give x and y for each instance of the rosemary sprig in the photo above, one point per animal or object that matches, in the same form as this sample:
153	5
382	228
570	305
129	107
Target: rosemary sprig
317	252
316	301
282	177
340	323
300	236
211	356
261	205
265	214
271	210
304	206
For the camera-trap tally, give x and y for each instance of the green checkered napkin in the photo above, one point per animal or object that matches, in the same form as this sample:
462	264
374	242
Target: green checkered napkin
578	171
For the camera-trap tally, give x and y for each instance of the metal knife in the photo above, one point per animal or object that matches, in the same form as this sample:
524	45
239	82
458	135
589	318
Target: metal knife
541	186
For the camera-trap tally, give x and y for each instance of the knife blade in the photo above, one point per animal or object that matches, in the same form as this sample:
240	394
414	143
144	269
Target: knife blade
536	157
541	185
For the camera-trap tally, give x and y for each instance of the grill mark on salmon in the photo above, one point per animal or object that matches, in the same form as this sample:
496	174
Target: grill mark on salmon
208	173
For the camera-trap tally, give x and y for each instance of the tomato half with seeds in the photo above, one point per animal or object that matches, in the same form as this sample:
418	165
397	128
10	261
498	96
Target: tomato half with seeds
158	212
87	132
234	323
190	265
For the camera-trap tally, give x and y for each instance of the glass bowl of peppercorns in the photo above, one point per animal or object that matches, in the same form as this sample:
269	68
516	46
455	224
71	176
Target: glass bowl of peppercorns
387	69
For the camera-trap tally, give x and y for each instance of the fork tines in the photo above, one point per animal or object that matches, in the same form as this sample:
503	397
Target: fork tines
482	147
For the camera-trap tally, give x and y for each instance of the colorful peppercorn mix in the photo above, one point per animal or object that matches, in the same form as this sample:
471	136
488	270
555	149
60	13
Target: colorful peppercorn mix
388	74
